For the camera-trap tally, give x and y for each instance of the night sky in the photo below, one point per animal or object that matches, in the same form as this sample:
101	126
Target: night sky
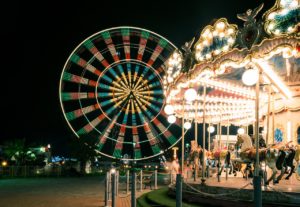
37	39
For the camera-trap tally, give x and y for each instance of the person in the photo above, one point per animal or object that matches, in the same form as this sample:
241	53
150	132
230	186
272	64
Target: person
174	169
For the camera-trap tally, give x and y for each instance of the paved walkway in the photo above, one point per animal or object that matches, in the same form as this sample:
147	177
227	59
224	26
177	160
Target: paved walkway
124	200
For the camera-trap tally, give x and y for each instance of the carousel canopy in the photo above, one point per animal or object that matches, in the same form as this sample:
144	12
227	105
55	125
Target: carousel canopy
230	60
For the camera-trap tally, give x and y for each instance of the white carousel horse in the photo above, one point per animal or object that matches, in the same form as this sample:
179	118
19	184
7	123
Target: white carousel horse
271	156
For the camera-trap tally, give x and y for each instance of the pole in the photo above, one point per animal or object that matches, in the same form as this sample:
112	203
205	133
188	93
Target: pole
127	181
209	136
113	190
268	115
155	179
203	137
227	134
117	183
141	180
106	189
196	138
196	123
273	118
257	178
133	201
133	178
182	140
178	190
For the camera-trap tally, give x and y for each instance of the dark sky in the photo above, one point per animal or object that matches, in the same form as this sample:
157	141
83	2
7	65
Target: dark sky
37	39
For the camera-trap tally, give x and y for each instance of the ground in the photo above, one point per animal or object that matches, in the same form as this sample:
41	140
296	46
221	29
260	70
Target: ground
52	192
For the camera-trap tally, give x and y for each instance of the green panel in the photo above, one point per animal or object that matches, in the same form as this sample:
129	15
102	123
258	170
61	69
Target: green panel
106	35
67	76
125	32
75	58
145	34
155	149
66	96
162	43
81	131
100	146
172	139
88	44
117	153
71	115
137	154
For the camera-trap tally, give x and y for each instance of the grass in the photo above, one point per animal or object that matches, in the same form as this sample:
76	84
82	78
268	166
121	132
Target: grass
159	197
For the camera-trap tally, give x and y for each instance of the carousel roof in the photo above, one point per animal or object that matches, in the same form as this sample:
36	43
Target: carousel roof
221	56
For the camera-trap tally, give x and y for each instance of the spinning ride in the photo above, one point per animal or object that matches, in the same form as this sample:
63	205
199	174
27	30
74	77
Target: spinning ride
111	93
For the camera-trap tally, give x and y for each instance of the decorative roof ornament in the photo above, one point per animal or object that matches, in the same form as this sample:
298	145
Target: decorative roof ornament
215	40
251	34
179	62
283	18
188	56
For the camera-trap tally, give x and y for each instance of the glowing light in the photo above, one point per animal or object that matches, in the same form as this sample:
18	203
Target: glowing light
221	25
171	119
211	129
169	109
4	163
250	77
43	149
275	79
187	125
190	94
241	131
113	170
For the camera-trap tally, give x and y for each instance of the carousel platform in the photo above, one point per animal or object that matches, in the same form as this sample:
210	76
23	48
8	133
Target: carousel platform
237	191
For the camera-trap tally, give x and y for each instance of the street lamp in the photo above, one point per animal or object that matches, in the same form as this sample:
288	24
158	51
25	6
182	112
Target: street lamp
187	125
169	109
172	119
251	77
190	94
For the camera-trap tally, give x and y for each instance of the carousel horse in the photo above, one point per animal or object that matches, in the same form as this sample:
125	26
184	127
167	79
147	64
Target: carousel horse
289	162
272	156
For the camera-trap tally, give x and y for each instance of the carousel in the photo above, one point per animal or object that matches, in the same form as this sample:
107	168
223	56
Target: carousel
248	76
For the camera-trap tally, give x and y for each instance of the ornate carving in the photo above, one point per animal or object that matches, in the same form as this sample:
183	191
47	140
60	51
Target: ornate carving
252	31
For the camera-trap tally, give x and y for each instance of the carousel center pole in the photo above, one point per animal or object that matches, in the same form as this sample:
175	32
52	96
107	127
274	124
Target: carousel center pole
257	178
203	137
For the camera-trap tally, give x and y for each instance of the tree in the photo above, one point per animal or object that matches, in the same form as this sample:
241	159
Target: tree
83	149
17	150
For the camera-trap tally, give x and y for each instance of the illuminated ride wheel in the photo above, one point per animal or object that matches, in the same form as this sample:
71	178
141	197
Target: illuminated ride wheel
111	93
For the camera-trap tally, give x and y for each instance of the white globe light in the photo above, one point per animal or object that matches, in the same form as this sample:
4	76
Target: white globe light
241	131
187	125
169	109
250	77
210	129
190	94
171	119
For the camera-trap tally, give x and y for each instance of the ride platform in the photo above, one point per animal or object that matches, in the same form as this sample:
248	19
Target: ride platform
238	191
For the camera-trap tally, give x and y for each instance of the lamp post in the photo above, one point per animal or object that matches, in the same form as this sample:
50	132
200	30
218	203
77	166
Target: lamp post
251	77
133	186
113	187
203	137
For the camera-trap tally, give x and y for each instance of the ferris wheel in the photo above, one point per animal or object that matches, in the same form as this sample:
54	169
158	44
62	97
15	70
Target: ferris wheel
111	92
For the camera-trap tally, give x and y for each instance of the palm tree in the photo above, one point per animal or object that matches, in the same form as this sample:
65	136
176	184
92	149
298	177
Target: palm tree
17	150
83	149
